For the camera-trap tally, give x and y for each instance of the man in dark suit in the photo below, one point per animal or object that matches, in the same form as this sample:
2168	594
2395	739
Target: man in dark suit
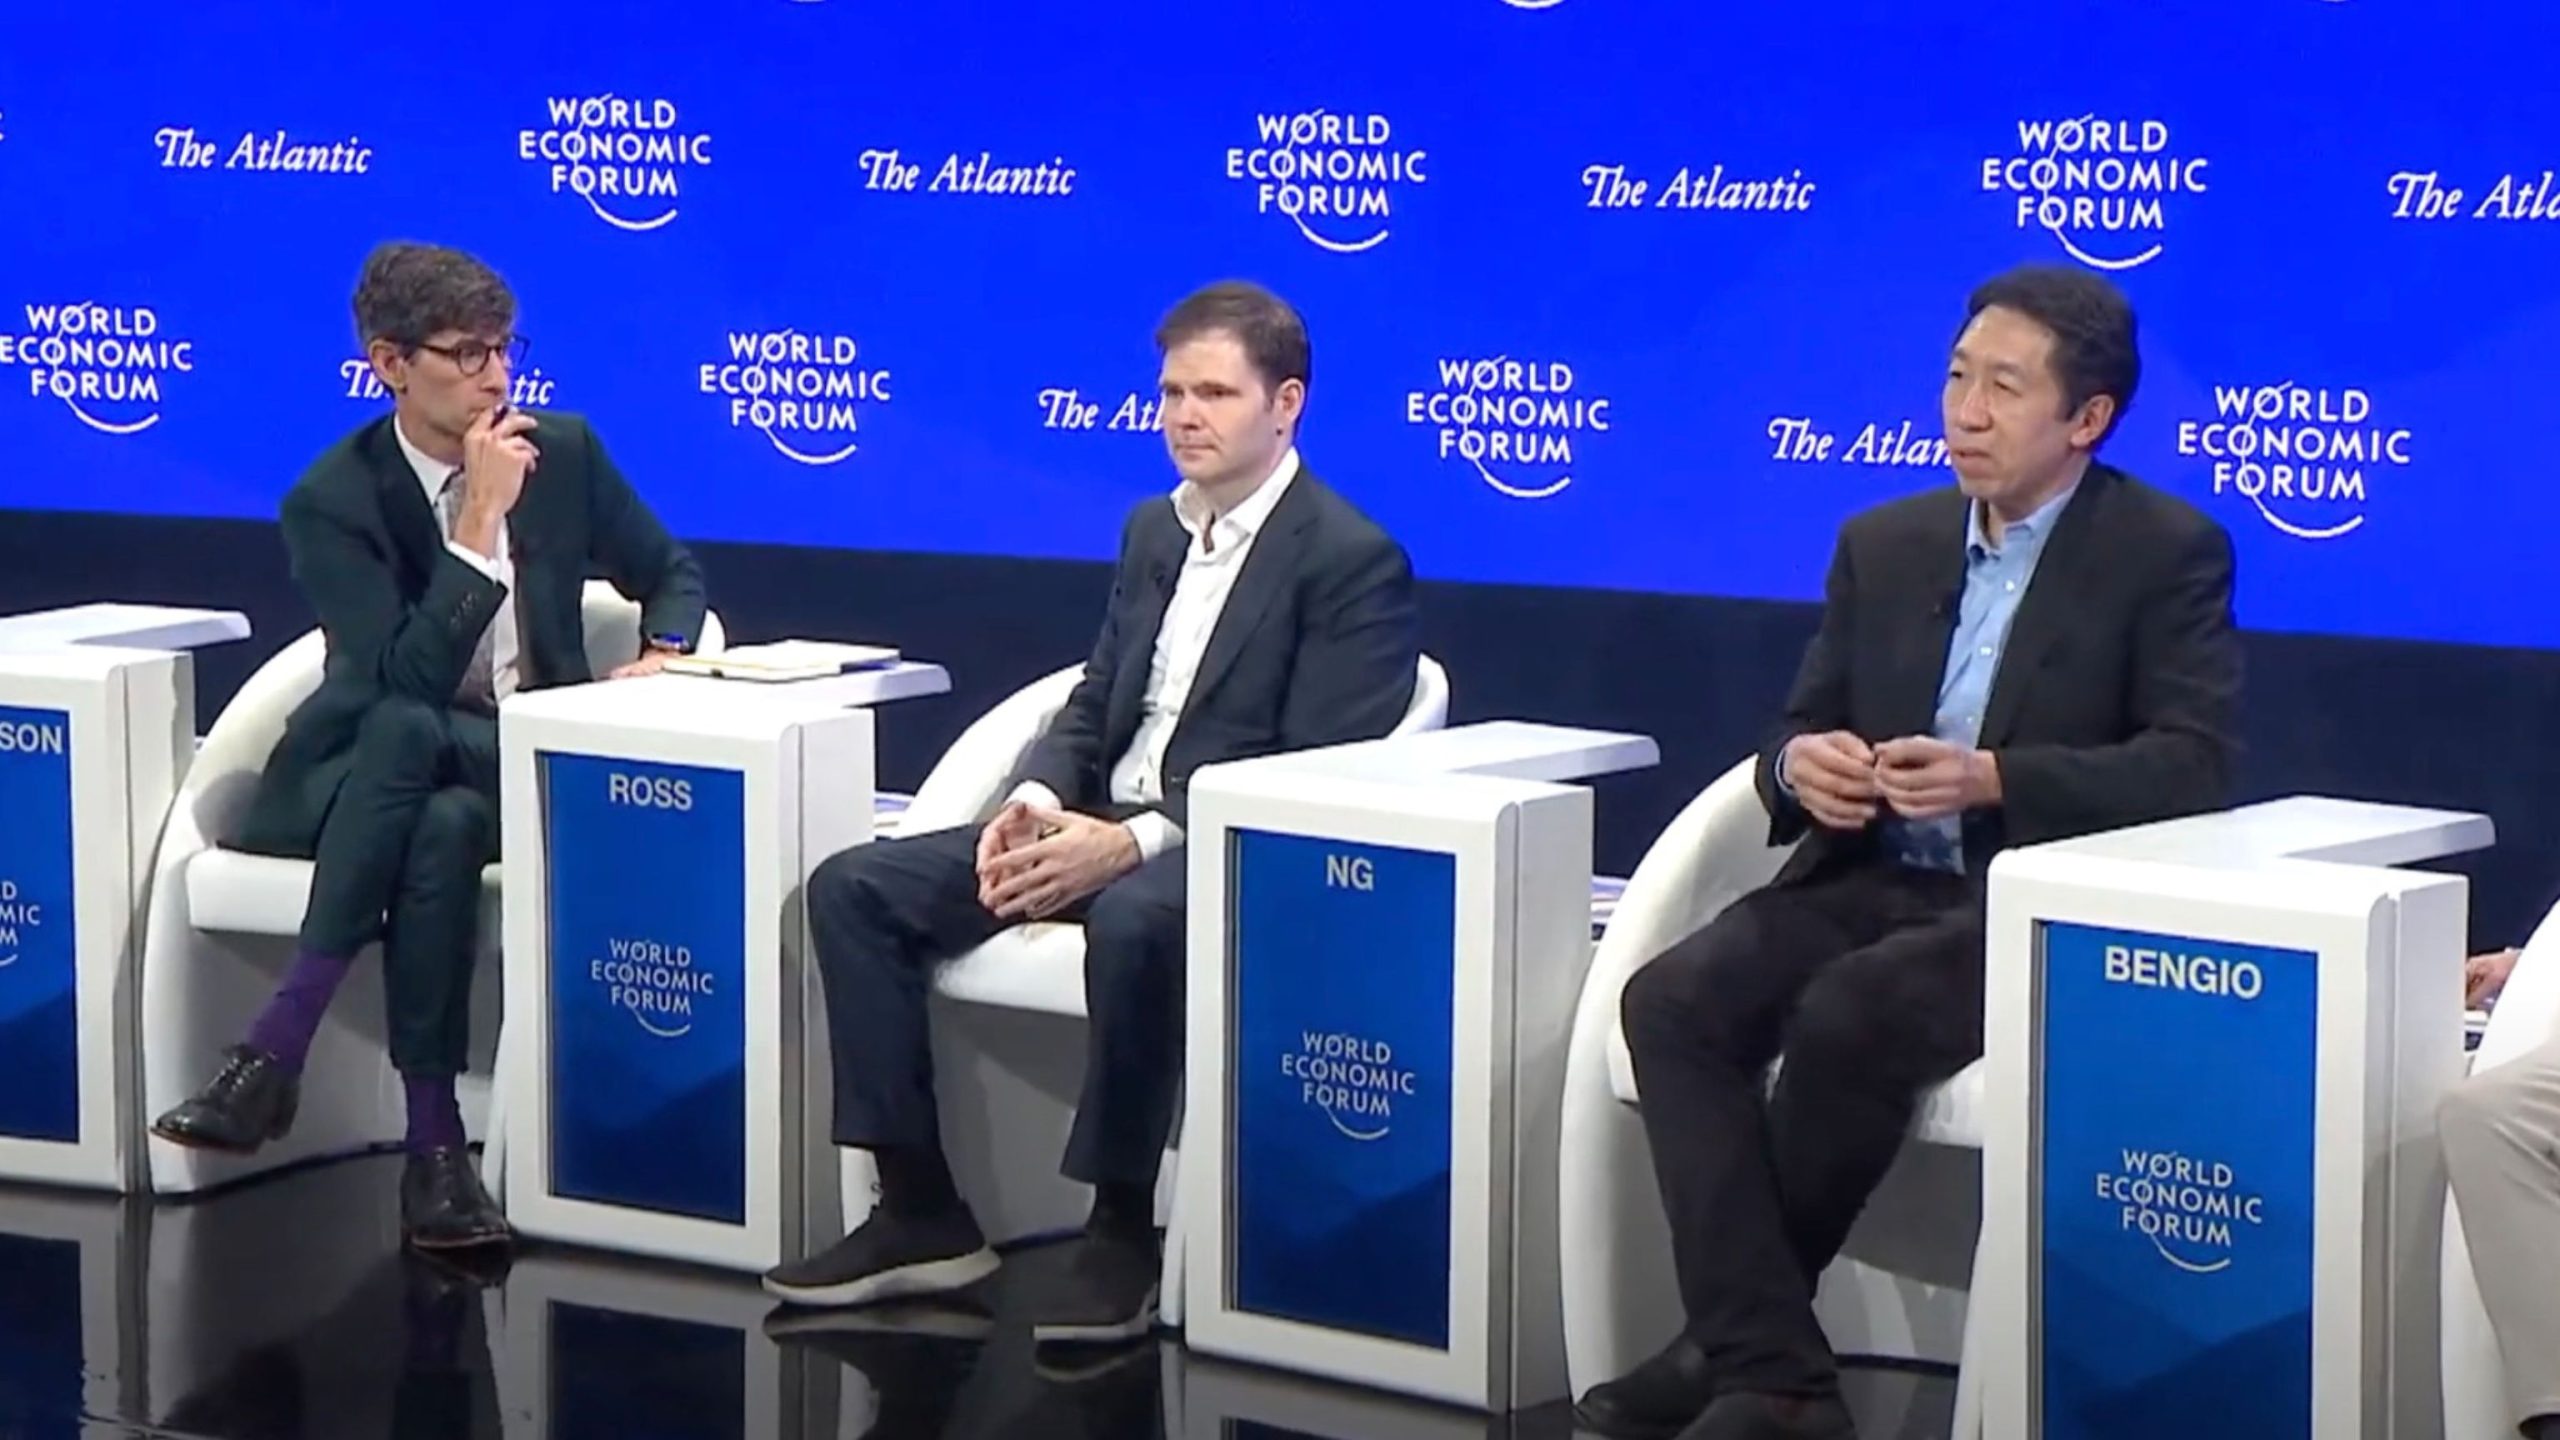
445	576
1253	611
2043	651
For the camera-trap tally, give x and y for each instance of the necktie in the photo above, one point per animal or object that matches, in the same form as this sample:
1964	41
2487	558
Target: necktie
479	683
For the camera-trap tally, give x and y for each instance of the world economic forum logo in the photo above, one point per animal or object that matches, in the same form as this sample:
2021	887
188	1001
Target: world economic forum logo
1514	422
18	914
1353	1079
656	983
2100	186
2302	456
2194	1212
105	362
1334	176
798	388
626	158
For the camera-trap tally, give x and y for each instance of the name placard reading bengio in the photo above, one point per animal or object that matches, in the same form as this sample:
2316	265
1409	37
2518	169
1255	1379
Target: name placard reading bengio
1342	983
39	969
647	869
2174	1193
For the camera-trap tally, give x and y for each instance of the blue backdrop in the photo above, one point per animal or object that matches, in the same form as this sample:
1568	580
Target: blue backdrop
851	274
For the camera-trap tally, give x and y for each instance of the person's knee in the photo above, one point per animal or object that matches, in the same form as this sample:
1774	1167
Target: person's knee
454	831
848	909
2475	1117
1843	1028
399	728
1672	999
1131	939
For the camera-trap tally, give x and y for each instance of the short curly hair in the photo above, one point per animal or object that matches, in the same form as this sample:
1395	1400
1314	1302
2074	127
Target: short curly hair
410	291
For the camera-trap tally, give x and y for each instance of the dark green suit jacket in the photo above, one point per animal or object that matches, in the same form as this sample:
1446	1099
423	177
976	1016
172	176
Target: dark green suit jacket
402	613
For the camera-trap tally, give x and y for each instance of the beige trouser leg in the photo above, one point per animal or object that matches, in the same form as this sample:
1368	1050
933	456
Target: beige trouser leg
2501	1131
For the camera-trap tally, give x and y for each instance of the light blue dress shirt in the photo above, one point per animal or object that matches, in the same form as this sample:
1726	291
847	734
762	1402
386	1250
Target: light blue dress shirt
1995	580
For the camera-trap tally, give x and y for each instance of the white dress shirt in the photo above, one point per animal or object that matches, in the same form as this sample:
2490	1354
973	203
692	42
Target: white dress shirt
434	474
1210	565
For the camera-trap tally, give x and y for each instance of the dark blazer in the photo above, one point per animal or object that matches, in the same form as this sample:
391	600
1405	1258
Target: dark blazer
2115	698
402	614
1317	645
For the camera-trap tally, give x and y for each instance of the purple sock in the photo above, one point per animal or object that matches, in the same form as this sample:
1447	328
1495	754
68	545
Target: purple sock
435	1117
284	1029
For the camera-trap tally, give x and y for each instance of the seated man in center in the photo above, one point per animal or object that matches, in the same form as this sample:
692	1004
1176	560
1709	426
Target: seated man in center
2043	649
1253	611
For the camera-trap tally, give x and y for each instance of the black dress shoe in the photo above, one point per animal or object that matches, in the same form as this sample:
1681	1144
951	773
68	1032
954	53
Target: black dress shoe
1655	1399
1747	1416
442	1205
249	1102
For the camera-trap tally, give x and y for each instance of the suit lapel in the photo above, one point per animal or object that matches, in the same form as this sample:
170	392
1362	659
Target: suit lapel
2045	611
405	511
1159	569
1268	571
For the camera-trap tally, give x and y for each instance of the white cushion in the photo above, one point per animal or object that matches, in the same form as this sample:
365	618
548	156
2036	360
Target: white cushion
236	893
1950	1114
1030	967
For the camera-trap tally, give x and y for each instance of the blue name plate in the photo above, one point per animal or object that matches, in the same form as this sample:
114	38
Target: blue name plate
648	968
39	949
2173	1273
1343	975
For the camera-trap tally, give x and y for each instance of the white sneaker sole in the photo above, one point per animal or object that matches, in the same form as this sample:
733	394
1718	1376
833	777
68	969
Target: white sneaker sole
930	1277
1136	1325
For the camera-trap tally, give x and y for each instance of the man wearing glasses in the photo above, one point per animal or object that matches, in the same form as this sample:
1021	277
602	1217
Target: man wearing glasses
446	575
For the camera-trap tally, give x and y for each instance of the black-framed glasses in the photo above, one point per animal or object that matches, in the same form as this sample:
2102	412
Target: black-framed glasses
472	356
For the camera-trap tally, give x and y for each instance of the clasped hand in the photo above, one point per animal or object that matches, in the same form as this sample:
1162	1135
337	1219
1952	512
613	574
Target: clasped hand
1841	780
1034	862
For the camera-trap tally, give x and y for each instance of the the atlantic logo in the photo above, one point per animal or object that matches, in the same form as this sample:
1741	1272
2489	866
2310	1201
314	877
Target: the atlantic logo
2296	453
787	382
1353	1080
1334	176
2423	195
656	983
103	361
1063	407
2193	1212
2100	186
532	388
1502	416
889	170
629	152
1797	442
1608	188
275	151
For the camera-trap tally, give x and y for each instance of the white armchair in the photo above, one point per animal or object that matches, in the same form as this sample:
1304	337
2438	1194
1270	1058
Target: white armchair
220	930
2475	1383
1007	1073
1896	1292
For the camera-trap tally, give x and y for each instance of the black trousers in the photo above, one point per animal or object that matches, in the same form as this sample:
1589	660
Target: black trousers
1867	983
884	915
397	858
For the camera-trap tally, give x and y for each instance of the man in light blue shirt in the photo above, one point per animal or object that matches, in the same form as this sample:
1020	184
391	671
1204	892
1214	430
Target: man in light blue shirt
1997	570
2043	649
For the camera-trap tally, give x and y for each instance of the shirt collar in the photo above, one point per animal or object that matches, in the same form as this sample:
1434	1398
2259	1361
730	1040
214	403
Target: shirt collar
1246	520
432	472
2029	530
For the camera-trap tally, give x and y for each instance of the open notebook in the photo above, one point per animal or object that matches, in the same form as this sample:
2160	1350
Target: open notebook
785	660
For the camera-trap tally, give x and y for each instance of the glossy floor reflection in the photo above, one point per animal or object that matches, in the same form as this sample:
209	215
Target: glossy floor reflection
286	1310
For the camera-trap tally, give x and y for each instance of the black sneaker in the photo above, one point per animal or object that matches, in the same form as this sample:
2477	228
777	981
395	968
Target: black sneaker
1108	1292
890	1256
